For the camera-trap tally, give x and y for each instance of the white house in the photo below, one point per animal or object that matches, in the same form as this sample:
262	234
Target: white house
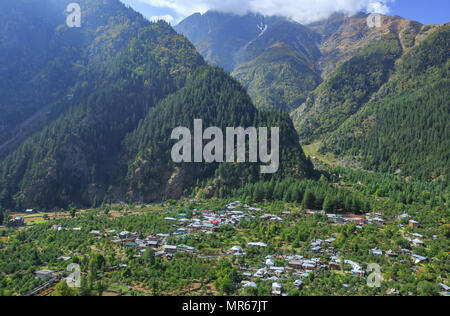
276	288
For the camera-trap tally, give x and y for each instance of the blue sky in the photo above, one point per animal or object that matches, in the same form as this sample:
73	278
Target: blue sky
424	11
151	11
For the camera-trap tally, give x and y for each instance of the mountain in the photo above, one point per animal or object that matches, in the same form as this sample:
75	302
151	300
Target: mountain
104	133
279	61
386	106
151	151
357	61
347	89
220	37
280	70
33	73
403	128
375	97
274	58
41	59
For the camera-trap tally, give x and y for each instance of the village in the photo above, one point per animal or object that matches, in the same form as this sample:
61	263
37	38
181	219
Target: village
276	268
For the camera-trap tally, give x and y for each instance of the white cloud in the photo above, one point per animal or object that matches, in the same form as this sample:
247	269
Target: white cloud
375	6
303	11
168	18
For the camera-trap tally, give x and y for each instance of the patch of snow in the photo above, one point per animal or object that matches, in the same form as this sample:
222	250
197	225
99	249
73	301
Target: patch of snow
263	28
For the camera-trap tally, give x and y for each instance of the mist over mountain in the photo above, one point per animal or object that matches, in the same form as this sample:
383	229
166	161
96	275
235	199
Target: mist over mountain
301	11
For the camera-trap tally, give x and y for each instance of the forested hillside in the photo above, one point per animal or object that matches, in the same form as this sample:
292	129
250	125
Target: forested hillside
281	62
41	58
404	128
350	87
33	71
220	101
82	156
281	67
274	58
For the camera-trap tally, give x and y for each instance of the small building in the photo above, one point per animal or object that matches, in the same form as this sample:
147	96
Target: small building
235	249
152	238
298	284
169	249
130	238
404	216
183	221
130	244
45	274
378	220
309	266
250	285
445	287
163	237
185	248
17	221
376	252
257	244
57	228
417	242
64	258
334	265
261	273
180	231
278	270
247	275
194	228
413	224
210	227
295	264
124	234
153	243
419	259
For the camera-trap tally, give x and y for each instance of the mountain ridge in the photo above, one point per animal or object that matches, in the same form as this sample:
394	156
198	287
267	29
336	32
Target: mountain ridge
306	55
343	70
84	154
